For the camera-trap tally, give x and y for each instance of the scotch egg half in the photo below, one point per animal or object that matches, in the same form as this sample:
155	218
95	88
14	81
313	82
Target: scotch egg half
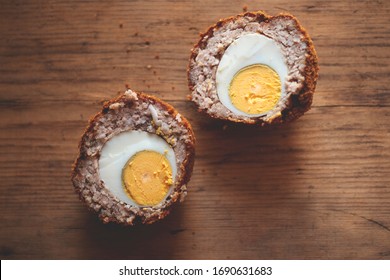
254	68
136	158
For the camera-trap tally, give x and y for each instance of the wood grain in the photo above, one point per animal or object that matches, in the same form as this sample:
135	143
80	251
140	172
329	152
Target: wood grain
318	188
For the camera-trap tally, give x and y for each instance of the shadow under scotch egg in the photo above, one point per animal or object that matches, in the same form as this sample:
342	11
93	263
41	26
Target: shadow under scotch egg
248	173
113	241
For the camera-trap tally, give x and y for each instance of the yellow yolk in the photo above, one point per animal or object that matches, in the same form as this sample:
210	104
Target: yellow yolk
147	177
255	89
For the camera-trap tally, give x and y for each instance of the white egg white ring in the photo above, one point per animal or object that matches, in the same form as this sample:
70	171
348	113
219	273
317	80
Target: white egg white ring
248	50
120	148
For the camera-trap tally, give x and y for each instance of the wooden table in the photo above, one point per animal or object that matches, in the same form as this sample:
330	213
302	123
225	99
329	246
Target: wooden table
318	188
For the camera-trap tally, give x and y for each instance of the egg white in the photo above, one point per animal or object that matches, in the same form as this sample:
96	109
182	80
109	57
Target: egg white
247	50
120	148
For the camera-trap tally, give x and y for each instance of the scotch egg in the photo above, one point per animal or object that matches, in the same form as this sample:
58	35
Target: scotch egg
254	68
135	160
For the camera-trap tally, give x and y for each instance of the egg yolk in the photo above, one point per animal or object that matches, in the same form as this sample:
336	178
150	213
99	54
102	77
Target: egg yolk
147	177
255	89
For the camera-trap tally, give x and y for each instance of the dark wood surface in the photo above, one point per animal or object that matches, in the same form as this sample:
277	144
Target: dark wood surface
318	188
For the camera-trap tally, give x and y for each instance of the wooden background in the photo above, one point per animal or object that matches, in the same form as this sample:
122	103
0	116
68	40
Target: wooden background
318	188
